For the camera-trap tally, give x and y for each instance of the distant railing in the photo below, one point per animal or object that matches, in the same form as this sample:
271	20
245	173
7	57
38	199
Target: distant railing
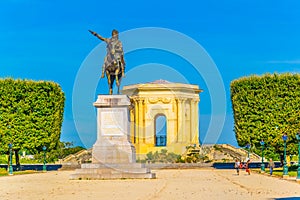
230	165
36	167
161	140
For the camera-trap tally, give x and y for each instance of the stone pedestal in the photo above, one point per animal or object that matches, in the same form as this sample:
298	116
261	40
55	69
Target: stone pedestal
113	154
113	144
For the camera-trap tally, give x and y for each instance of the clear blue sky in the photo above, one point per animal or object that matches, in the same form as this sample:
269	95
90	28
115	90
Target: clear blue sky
48	40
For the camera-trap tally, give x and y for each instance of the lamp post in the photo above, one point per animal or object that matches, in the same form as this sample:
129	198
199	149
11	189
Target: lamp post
298	171
10	169
285	168
248	147
44	166
262	167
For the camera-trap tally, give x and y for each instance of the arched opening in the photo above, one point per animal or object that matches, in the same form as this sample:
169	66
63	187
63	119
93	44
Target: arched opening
160	130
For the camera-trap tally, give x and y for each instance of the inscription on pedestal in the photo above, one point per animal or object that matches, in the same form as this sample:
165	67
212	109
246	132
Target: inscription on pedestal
112	123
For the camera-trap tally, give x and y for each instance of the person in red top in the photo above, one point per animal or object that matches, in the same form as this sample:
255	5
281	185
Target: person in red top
247	166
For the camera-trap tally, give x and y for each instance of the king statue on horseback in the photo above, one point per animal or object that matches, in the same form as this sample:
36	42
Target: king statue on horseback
114	64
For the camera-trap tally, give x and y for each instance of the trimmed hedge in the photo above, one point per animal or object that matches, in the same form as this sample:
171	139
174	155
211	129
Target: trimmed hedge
31	114
265	107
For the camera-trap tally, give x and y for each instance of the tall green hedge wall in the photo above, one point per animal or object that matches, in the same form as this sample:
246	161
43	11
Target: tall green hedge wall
31	114
265	107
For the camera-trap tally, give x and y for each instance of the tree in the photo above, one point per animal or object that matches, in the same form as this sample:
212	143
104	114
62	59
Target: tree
265	107
31	114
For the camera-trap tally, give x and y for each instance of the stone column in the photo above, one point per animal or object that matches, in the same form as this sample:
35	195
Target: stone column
183	136
141	121
131	111
174	119
181	120
136	121
149	124
194	122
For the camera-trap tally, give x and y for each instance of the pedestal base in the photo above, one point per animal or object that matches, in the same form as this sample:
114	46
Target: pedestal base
112	171
113	150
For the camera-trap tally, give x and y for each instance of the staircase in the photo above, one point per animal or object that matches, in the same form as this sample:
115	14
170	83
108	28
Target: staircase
226	152
239	152
74	161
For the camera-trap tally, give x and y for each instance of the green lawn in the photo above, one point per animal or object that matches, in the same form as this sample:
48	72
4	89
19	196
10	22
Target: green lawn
4	172
279	172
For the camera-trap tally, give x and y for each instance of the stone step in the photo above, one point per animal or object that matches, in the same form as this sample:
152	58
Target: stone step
113	165
112	170
92	176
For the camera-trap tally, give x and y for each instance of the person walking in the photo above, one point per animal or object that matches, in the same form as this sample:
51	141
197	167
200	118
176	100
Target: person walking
247	166
271	166
237	166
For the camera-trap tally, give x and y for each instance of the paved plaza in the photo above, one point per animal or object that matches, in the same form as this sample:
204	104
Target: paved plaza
170	184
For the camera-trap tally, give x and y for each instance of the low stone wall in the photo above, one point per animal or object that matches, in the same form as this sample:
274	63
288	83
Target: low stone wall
72	166
177	165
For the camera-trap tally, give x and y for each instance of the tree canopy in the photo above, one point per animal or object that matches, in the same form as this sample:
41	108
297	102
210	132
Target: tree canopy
266	107
31	114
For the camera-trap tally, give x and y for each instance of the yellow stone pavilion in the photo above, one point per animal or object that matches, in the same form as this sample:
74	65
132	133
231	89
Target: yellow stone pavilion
176	103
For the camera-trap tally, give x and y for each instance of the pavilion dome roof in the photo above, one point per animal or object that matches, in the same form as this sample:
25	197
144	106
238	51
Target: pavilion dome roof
160	81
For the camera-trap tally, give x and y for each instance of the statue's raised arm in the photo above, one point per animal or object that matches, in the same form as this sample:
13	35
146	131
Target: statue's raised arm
98	36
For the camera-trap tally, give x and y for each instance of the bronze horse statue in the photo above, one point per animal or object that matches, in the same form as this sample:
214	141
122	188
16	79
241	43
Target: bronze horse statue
114	64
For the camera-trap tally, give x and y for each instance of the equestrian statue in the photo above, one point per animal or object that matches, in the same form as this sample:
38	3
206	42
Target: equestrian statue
114	64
